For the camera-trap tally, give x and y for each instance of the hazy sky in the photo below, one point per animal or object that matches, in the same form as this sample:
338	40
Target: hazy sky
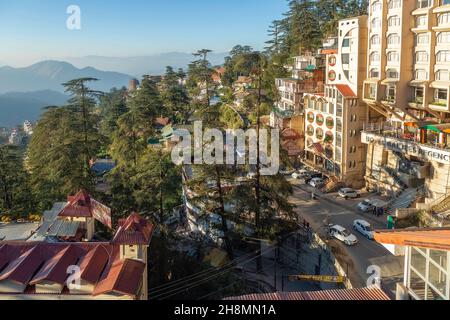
32	30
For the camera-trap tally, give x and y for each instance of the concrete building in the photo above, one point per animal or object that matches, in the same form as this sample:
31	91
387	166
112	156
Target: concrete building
307	75
407	91
427	262
335	118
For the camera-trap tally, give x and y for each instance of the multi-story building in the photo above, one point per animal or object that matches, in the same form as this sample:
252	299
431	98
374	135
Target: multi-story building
288	113
335	118
407	90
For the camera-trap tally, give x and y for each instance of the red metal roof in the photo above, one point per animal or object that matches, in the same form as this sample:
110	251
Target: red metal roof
82	205
133	231
329	51
55	269
93	263
346	91
123	277
49	261
325	295
22	269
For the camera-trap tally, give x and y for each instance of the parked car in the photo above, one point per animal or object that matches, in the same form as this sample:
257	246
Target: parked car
313	175
369	204
301	174
317	182
363	227
287	172
340	233
348	193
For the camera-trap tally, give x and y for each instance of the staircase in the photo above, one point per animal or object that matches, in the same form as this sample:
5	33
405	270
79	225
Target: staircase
332	184
404	200
396	177
442	206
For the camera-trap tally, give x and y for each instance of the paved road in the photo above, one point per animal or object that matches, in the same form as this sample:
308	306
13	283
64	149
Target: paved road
319	213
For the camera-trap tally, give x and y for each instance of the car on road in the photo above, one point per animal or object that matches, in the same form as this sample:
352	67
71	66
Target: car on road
340	233
348	193
287	172
313	175
369	204
301	174
317	182
364	227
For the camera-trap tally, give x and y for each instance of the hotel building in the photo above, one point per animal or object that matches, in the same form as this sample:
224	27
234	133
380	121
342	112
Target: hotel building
407	91
335	118
307	75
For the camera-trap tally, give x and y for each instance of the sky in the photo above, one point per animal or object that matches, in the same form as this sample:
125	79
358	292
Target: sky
33	30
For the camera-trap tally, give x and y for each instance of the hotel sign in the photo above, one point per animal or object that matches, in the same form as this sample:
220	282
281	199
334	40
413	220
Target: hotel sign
408	147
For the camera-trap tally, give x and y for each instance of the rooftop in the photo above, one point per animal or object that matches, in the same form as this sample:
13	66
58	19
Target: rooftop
432	238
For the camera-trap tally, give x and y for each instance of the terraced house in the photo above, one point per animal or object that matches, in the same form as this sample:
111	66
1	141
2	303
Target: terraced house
407	91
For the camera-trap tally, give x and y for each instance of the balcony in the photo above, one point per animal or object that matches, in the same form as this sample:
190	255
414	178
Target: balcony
416	102
439	105
408	144
283	114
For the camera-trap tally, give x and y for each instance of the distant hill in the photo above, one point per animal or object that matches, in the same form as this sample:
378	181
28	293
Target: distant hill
16	107
150	64
49	75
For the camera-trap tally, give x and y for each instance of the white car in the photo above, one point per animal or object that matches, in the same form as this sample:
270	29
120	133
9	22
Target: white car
340	233
369	204
348	193
301	174
363	227
287	172
316	182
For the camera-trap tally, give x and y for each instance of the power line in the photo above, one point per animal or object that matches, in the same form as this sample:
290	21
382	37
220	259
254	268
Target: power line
221	289
199	274
200	282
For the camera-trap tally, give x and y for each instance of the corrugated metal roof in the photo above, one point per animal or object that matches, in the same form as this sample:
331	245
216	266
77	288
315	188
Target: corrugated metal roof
22	269
93	263
372	293
124	277
346	91
134	230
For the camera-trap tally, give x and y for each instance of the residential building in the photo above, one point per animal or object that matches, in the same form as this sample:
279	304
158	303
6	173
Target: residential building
427	262
307	75
407	91
335	118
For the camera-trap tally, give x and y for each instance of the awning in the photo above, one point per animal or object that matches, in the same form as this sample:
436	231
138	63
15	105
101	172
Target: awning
440	85
420	124
438	127
389	81
418	83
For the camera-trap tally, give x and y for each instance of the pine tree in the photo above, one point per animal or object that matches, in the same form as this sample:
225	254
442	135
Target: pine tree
175	97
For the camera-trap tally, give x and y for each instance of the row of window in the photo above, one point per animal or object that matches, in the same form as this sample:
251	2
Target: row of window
395	4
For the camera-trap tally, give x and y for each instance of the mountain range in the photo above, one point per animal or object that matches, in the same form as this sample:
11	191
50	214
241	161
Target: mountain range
140	65
49	75
16	107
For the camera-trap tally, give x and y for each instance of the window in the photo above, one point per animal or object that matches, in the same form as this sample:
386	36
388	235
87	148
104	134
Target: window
390	93
331	108
440	95
374	57
346	43
421	21
394	21
376	7
444	18
422	38
393	56
421	74
423	3
444	2
374	73
442	75
375	40
372	91
393	39
443	37
394	4
392	73
418	94
376	23
421	56
443	56
345	58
